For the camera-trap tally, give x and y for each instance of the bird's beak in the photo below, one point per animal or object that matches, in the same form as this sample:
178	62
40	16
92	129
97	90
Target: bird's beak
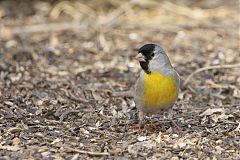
140	57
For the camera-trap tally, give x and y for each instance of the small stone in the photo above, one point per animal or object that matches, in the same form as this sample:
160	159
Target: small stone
38	112
141	138
55	133
15	130
8	103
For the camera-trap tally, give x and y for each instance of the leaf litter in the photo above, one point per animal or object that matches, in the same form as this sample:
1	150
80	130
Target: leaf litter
57	76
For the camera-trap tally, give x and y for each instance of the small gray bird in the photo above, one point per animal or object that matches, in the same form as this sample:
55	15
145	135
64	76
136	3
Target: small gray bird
157	88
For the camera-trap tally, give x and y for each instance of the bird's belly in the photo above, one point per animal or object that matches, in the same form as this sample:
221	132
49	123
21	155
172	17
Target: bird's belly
160	92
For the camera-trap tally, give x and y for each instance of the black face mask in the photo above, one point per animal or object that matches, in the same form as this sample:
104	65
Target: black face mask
148	52
145	66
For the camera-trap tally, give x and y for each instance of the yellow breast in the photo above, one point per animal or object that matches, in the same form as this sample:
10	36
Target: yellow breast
159	90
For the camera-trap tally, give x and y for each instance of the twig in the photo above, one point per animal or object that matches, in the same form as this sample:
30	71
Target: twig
197	91
208	68
77	99
74	9
66	113
69	149
122	94
55	26
113	16
72	97
129	93
238	127
217	96
45	27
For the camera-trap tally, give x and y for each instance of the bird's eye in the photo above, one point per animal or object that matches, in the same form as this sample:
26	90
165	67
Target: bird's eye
152	55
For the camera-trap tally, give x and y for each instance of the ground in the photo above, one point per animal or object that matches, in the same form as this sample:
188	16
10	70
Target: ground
61	61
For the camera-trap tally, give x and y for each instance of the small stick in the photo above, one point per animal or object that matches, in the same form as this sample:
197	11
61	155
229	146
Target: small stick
69	149
122	94
194	90
113	17
44	27
72	97
66	113
208	68
48	27
77	99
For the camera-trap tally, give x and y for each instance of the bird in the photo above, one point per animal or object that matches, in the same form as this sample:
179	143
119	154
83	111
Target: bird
158	86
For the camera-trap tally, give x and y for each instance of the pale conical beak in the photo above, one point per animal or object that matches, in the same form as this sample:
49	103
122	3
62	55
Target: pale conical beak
140	57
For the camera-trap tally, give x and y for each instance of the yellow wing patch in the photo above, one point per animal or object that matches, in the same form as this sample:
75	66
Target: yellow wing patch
159	90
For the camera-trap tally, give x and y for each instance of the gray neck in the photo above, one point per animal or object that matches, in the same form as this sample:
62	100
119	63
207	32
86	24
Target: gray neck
160	63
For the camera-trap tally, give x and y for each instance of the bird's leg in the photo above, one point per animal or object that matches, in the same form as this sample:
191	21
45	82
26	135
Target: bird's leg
170	113
140	119
140	123
170	117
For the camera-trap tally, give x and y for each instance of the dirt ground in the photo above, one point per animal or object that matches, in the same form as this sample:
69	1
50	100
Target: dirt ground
60	62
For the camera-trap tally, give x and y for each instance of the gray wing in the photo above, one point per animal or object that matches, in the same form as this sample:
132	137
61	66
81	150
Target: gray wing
139	91
172	72
177	79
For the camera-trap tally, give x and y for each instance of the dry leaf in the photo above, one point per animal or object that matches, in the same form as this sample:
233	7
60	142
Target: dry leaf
75	157
96	95
14	130
159	138
238	128
179	145
38	112
16	141
57	140
84	131
45	154
10	148
132	150
219	149
211	111
39	134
